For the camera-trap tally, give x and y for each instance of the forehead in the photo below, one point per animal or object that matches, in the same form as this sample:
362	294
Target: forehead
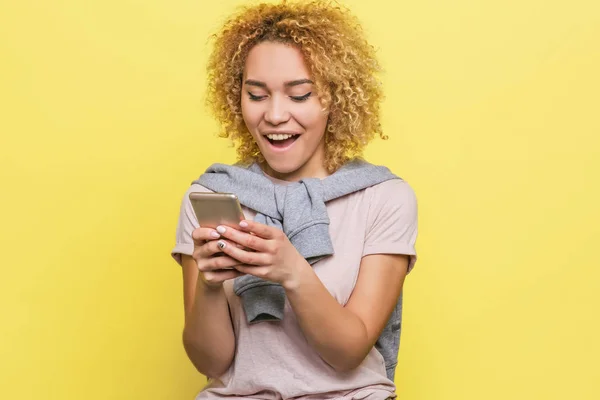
275	63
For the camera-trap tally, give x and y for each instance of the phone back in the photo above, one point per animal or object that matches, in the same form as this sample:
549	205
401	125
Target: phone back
213	209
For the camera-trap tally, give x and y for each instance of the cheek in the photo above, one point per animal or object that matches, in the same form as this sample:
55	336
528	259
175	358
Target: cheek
312	117
251	114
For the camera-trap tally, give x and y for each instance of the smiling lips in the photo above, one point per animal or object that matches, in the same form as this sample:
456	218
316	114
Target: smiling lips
281	141
279	136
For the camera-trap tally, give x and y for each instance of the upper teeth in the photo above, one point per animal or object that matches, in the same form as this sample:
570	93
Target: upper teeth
279	136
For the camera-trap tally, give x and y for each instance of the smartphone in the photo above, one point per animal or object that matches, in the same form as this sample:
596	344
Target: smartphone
214	209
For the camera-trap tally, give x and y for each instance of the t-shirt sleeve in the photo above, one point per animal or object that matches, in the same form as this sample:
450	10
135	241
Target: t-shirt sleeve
184	244
392	221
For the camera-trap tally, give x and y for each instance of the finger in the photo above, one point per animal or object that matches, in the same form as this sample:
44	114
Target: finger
244	239
243	256
259	272
201	235
262	230
218	263
220	276
208	250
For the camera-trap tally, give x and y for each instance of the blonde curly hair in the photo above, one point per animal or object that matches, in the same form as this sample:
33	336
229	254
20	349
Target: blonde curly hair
343	66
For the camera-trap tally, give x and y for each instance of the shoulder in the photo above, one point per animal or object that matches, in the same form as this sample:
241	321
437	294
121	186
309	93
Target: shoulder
391	205
393	191
195	188
198	188
186	205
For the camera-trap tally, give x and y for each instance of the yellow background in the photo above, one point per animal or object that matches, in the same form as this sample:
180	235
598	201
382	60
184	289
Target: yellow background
493	113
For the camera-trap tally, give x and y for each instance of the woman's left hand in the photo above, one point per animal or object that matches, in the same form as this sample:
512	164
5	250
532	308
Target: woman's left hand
274	258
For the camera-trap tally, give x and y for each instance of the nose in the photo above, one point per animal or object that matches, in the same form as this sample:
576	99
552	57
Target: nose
277	112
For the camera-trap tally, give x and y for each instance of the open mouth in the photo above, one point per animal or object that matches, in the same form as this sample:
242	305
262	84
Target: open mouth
281	140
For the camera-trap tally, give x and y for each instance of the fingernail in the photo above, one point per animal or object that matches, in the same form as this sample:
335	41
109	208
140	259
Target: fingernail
215	235
221	244
244	224
221	229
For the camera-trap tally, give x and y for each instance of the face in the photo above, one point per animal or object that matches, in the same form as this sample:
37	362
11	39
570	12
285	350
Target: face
283	113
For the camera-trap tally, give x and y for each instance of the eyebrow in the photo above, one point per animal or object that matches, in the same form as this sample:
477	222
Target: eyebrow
252	82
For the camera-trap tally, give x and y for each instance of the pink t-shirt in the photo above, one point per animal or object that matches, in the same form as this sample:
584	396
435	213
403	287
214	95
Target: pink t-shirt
273	360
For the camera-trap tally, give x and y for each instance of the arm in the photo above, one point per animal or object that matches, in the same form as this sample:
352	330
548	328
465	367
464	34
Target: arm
343	336
208	336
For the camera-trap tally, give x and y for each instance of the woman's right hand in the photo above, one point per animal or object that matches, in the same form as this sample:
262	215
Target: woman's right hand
215	267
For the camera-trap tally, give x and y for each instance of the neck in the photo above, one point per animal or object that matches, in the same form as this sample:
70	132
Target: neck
306	171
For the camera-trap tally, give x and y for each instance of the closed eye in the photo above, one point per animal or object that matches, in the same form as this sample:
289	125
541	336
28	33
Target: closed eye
256	98
301	98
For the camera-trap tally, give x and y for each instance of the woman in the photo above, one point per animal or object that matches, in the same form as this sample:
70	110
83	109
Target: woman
302	301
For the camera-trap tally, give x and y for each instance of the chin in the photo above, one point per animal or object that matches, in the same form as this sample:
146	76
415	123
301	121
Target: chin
283	167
